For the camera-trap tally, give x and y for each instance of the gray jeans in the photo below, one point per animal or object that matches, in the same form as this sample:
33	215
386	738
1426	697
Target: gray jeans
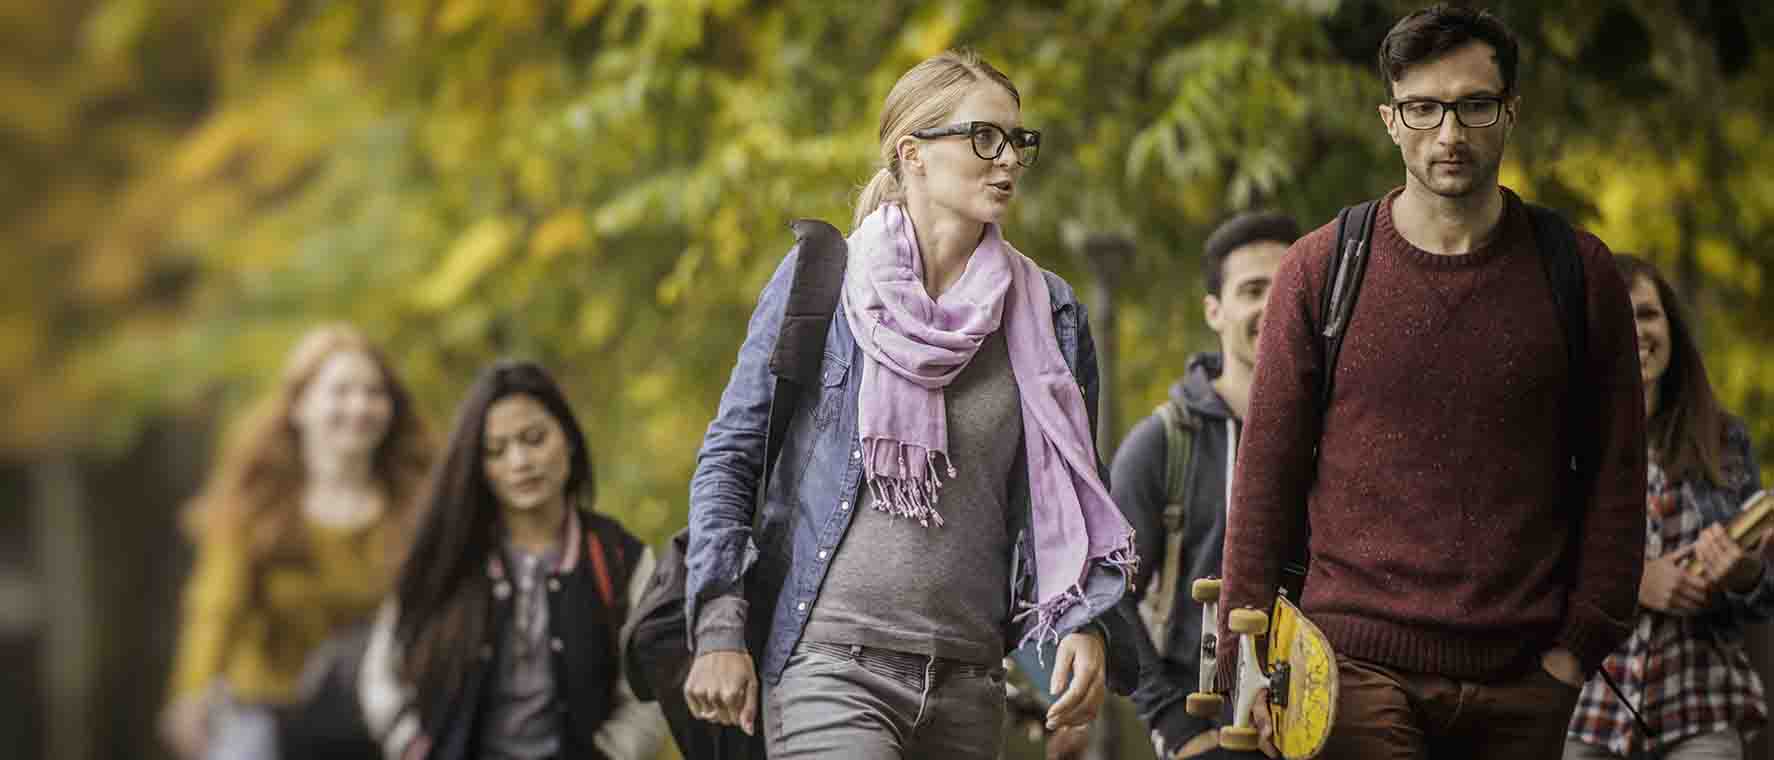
1719	745
837	700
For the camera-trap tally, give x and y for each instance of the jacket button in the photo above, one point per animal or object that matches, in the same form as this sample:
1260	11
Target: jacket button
554	584
555	644
843	506
801	607
857	454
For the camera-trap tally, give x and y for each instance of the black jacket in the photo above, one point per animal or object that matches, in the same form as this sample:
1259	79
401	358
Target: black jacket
587	606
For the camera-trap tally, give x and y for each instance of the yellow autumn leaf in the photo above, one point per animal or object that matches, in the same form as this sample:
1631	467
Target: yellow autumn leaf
1721	262
563	231
215	142
458	15
932	35
470	258
581	11
597	320
648	388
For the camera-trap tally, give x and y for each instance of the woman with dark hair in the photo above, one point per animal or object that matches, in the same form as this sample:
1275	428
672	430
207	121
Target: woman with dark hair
297	534
938	500
503	637
1684	668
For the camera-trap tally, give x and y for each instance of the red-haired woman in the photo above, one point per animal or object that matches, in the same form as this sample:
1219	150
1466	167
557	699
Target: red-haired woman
298	533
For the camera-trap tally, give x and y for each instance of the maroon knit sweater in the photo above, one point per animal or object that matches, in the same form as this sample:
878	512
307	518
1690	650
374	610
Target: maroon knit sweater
1440	539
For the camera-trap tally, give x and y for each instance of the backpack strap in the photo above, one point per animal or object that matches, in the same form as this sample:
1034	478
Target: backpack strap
1159	603
806	317
1348	264
1557	242
1179	452
1343	276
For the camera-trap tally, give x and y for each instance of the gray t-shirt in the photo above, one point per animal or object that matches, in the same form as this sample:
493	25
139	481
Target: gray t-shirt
942	591
521	721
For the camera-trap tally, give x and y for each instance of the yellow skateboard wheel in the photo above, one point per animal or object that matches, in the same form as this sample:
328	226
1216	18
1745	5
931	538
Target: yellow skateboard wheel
1205	590
1238	738
1202	704
1247	621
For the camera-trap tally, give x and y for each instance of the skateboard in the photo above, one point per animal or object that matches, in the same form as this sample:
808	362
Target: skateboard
1299	670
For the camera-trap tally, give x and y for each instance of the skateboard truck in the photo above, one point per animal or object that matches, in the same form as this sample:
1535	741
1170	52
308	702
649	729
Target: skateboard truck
1247	624
1205	703
1295	667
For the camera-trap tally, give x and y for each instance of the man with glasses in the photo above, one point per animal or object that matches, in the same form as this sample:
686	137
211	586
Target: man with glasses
1468	575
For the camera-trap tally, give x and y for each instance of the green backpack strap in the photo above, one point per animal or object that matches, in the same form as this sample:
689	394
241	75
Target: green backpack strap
1179	452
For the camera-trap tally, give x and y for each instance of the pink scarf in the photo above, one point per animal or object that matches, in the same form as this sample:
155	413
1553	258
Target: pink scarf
914	347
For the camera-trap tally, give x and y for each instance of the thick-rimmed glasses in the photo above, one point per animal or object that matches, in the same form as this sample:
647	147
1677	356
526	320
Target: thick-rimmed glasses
1472	113
989	139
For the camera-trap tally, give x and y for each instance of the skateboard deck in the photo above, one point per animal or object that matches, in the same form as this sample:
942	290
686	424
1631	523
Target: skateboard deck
1303	701
1296	666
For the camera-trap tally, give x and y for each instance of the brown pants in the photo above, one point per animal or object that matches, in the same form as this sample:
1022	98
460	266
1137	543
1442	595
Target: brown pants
1389	714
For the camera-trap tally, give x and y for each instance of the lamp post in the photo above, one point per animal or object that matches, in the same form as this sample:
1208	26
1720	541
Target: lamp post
1108	255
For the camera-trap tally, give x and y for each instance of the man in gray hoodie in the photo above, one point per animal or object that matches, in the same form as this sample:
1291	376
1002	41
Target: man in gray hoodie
1205	414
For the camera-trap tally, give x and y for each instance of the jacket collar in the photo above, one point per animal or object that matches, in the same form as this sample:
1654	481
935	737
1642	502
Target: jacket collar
569	551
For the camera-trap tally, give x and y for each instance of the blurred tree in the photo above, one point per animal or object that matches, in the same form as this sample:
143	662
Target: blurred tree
603	184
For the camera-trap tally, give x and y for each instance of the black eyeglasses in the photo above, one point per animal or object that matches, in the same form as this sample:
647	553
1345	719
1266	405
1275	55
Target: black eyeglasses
989	139
1472	113
1428	114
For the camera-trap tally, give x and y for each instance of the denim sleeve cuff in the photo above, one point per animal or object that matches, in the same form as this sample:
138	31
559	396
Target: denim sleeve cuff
720	625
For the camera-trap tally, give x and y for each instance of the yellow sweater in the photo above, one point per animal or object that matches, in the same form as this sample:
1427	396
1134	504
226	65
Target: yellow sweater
258	647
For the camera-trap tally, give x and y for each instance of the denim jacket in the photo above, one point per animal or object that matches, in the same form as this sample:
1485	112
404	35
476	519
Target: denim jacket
777	552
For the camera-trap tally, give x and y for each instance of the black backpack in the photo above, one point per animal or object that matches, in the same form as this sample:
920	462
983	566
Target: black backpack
1553	236
1556	242
658	655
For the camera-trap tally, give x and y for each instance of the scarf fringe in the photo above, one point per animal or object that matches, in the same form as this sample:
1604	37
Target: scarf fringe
1047	615
1125	559
913	498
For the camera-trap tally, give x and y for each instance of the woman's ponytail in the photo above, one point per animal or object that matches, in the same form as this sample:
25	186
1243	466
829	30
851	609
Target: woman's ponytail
882	188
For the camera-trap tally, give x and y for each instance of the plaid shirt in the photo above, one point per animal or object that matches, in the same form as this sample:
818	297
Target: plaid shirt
1684	676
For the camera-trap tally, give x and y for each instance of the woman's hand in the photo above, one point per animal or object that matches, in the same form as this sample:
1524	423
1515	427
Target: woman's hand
184	726
1669	588
1078	673
1728	565
723	688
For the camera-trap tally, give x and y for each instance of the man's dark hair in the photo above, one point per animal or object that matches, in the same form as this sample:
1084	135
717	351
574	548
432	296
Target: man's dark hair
1237	232
1433	32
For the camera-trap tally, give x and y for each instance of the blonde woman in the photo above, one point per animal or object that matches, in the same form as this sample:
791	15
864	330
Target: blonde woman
939	500
298	534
